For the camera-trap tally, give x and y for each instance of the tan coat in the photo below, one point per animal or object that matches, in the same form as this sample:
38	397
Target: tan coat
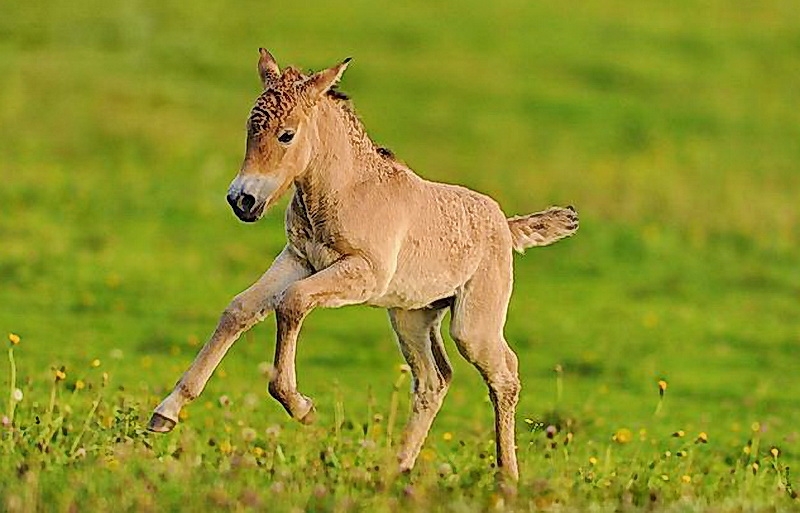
363	228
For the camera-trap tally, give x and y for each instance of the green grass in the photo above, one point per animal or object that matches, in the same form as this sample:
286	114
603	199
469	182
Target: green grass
672	127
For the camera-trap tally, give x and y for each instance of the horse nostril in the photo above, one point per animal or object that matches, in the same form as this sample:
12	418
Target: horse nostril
231	200
241	202
246	202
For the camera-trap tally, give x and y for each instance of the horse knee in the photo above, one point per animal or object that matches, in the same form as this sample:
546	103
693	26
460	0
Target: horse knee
293	305
503	380
236	315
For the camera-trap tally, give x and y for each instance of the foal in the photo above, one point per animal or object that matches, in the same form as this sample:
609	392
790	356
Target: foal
363	228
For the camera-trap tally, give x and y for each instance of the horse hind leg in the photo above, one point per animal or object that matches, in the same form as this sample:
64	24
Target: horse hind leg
419	338
479	315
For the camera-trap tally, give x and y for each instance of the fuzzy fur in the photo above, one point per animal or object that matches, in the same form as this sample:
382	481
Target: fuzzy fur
363	228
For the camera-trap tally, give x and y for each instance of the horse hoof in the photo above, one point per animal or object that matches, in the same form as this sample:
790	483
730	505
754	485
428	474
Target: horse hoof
160	424
309	417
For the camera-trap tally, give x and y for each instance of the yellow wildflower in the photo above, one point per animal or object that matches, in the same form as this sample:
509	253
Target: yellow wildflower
61	374
775	452
95	363
662	387
686	479
702	438
447	436
80	385
592	461
622	436
13	338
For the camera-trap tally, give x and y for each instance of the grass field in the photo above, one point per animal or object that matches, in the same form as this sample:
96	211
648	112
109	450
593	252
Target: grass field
672	127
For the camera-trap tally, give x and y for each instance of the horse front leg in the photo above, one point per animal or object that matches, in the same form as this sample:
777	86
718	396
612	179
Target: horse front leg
348	281
244	311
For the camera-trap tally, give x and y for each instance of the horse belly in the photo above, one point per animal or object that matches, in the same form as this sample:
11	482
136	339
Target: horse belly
411	296
417	284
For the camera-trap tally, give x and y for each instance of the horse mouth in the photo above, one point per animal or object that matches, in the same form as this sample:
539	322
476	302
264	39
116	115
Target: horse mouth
252	216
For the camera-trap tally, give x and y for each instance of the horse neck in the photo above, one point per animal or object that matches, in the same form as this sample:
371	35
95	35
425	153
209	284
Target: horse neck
344	155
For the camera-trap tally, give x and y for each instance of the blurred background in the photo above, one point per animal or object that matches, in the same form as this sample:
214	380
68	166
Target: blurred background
673	128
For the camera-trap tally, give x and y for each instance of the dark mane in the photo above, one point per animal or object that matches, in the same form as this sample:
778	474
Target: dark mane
385	152
334	93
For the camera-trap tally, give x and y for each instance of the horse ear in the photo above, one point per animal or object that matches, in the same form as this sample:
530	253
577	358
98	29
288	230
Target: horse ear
320	83
268	70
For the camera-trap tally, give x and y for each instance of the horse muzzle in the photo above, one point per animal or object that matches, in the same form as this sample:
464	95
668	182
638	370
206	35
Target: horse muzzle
245	206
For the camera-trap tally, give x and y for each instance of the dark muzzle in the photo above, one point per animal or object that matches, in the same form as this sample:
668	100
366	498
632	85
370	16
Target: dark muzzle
244	206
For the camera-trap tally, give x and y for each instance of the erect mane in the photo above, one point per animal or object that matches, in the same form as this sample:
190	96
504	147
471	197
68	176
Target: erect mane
336	94
344	102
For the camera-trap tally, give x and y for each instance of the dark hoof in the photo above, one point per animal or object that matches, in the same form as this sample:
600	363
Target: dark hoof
160	424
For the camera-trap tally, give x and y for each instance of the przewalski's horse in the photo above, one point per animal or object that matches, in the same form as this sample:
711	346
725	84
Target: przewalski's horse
363	228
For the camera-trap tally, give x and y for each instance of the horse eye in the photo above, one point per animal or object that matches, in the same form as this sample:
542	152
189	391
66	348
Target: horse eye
286	137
